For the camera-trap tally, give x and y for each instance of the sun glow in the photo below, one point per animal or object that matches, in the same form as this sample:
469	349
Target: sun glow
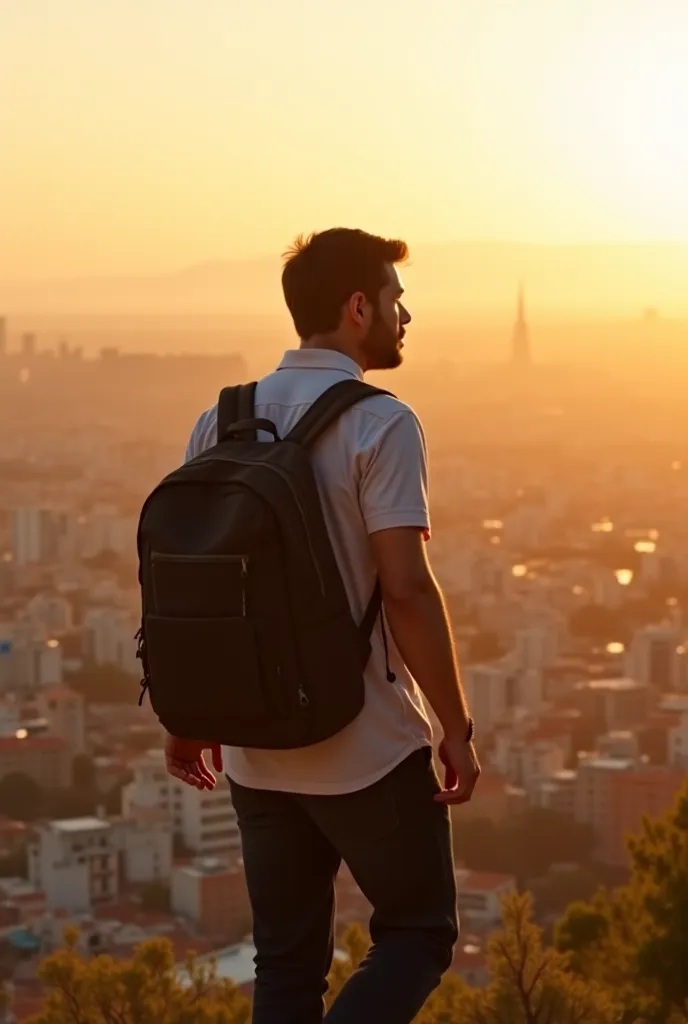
624	96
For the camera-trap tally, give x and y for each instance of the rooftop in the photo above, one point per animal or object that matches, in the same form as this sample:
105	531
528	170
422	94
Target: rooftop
69	825
620	684
481	881
15	743
60	693
609	764
234	962
205	866
17	888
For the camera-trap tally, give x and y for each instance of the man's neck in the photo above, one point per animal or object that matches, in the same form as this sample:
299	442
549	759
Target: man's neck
332	344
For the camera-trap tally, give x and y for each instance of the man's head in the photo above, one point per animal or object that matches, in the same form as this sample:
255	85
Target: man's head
344	292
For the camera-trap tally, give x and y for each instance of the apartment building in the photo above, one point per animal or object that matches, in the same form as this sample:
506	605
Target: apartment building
204	821
211	893
81	862
613	795
75	862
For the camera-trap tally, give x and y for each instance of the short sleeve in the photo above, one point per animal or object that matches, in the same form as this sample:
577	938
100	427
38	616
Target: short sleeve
203	435
394	481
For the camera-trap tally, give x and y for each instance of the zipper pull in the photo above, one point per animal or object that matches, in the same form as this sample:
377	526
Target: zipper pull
303	697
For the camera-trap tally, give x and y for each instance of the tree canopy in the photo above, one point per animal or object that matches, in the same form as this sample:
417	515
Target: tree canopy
635	938
142	990
619	958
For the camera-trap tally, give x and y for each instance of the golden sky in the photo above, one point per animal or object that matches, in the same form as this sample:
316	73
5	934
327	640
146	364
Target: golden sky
140	135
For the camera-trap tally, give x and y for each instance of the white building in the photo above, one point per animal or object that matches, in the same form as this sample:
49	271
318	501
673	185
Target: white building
26	535
75	863
525	757
556	792
105	530
594	788
479	895
145	841
492	692
36	534
65	713
49	664
205	821
27	662
50	614
110	638
80	862
536	647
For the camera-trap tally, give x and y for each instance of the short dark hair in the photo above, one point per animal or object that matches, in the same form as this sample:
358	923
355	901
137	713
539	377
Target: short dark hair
323	270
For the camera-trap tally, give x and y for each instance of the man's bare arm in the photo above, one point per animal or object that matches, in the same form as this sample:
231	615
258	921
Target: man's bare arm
418	620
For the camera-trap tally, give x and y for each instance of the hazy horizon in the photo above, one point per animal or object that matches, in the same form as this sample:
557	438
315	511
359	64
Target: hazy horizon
449	282
140	138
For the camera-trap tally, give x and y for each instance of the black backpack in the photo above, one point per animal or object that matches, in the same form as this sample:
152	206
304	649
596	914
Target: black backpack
247	638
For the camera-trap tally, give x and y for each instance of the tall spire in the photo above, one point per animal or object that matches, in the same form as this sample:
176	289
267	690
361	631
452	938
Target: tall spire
520	339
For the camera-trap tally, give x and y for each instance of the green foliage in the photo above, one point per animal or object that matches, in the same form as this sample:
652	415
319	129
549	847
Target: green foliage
619	958
533	984
635	939
142	990
530	983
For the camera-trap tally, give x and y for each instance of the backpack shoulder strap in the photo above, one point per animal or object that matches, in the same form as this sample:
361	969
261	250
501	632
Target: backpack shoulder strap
328	408
234	404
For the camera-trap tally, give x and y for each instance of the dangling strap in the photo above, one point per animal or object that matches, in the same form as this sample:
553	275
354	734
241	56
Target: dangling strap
367	625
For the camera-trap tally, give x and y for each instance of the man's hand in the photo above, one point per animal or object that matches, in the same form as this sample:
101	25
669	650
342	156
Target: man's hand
185	761
461	771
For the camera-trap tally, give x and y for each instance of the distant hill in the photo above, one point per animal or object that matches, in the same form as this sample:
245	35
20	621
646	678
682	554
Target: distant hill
454	279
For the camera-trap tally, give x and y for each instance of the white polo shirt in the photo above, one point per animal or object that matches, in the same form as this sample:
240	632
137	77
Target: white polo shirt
371	472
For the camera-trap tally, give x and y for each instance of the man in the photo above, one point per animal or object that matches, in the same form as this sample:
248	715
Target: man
369	795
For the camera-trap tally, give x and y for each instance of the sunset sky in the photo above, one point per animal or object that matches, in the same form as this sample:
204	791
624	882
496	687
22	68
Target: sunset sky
140	135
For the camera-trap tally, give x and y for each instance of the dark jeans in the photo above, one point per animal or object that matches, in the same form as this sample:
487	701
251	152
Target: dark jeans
397	843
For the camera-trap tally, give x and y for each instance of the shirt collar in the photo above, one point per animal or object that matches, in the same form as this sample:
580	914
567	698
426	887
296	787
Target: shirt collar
319	359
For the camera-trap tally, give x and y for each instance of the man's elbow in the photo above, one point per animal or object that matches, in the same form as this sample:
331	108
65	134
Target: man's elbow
406	589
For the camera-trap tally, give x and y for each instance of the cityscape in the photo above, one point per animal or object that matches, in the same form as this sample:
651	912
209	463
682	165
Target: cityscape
564	562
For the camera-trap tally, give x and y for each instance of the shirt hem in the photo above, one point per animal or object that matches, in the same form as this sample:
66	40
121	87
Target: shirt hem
275	785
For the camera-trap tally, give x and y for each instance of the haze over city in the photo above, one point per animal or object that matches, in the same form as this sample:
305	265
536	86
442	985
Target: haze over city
156	159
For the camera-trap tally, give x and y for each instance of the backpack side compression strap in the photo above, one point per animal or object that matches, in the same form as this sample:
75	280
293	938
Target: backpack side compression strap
328	408
234	404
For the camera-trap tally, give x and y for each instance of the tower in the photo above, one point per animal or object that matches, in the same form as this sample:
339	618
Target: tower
520	339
